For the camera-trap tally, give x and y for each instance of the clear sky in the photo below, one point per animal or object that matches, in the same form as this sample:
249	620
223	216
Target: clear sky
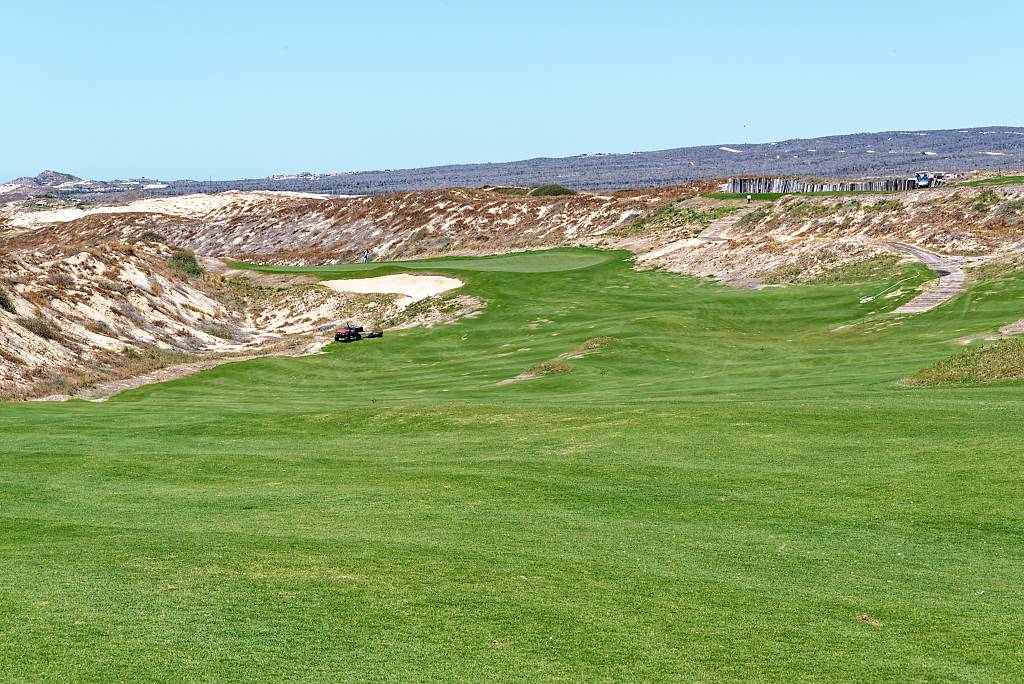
187	89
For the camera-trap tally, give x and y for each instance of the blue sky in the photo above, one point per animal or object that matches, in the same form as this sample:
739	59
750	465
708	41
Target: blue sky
246	89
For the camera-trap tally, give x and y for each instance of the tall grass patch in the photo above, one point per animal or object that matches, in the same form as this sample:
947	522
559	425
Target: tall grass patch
1003	360
185	262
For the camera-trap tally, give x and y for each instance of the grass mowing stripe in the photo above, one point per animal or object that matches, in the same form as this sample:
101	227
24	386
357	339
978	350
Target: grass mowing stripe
718	496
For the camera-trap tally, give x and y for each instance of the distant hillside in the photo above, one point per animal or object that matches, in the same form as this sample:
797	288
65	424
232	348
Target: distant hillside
856	155
55	184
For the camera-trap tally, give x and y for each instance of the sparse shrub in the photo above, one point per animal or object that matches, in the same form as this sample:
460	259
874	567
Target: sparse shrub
113	285
9	356
121	248
1010	213
802	209
134	361
437	243
100	328
6	300
39	325
754	217
549	367
130	357
598	343
221	331
128	311
986	201
150	236
185	262
513	191
551	190
674	215
884	205
872	269
1010	207
58	279
131	353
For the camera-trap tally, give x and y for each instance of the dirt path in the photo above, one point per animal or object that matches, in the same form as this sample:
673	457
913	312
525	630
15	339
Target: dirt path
104	390
295	345
951	280
713	233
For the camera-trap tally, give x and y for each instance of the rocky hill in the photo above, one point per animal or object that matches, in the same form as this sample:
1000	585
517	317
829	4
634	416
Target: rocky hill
800	238
310	230
858	155
303	230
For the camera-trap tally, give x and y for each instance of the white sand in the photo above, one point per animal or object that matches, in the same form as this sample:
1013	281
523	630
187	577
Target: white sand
197	206
414	287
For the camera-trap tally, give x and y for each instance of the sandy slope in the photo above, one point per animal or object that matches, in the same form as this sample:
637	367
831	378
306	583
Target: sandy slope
196	206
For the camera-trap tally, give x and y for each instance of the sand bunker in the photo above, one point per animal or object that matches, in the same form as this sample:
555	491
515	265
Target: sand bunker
414	287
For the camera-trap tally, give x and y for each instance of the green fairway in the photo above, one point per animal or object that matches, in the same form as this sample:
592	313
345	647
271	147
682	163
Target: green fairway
735	490
995	180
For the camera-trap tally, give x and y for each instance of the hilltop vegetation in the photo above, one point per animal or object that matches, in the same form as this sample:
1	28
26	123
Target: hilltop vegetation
550	190
675	215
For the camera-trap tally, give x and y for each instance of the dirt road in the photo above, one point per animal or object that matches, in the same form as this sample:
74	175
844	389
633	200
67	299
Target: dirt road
951	280
715	231
104	390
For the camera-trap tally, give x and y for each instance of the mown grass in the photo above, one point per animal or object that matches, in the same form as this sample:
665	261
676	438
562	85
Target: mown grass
547	261
995	180
738	490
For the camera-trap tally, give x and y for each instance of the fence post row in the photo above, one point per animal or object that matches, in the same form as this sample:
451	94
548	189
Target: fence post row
764	185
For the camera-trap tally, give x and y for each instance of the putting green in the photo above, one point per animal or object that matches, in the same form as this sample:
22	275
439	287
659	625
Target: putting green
548	261
734	490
